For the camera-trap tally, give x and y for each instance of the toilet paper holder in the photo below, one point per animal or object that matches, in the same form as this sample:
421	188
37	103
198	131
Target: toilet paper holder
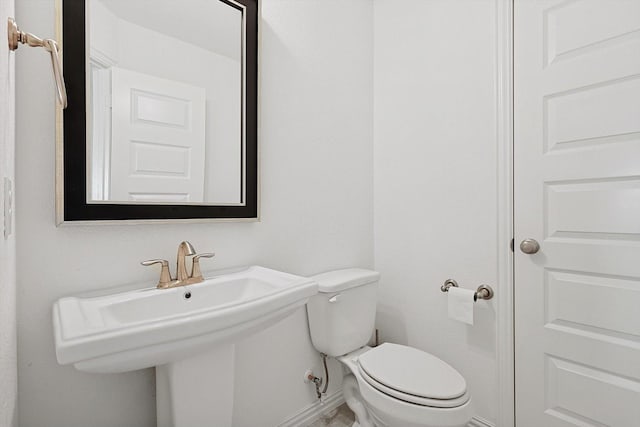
483	292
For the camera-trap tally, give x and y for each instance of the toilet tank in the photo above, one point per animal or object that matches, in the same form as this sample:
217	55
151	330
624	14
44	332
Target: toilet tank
342	314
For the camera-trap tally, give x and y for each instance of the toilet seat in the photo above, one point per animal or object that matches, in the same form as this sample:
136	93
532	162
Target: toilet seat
413	376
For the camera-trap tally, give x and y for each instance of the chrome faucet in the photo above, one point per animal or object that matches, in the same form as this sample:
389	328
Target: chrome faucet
183	278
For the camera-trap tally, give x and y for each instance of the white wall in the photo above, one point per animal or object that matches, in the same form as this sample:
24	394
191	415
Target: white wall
8	371
435	178
316	176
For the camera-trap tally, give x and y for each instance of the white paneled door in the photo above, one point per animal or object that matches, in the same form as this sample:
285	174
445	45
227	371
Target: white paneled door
158	139
577	193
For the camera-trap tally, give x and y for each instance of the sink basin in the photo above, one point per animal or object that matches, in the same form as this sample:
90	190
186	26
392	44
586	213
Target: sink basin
149	327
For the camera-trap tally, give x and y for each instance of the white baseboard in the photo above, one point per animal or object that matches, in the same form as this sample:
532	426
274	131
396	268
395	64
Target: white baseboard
479	422
313	412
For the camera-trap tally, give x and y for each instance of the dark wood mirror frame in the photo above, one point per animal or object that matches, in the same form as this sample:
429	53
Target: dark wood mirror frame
71	179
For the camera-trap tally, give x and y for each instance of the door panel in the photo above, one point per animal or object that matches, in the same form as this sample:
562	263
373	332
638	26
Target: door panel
577	191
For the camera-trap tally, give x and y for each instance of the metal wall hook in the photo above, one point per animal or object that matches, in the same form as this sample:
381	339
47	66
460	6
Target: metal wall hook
483	292
15	37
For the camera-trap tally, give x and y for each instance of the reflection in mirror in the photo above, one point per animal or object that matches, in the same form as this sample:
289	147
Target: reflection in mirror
165	104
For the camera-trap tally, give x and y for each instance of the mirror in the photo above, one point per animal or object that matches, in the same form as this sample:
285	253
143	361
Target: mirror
162	115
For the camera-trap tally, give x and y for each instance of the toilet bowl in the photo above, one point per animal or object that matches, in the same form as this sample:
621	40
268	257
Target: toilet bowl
431	402
390	385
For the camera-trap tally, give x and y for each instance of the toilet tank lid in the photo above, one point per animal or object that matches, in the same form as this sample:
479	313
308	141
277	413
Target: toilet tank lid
339	280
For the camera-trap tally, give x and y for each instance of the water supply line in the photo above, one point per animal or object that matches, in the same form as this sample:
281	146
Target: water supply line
15	37
326	373
318	382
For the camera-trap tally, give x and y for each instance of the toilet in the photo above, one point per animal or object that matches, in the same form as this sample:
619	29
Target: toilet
390	385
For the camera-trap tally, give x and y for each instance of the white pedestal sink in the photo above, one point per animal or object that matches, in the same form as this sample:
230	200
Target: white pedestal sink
187	333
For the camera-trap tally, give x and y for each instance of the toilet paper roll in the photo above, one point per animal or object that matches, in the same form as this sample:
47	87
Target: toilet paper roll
460	304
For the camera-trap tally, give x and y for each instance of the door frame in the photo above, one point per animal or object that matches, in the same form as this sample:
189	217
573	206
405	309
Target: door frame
505	333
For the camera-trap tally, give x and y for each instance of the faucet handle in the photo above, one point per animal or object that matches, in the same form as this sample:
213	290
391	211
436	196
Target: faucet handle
165	275
195	269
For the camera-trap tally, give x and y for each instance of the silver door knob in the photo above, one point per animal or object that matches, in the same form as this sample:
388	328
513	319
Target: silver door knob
529	246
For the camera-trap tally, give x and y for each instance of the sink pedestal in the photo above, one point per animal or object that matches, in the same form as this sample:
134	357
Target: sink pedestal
197	391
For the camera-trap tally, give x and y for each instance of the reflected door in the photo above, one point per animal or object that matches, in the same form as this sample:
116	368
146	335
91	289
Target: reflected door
577	192
158	139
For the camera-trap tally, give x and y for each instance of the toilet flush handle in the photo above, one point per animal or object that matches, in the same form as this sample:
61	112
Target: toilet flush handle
335	298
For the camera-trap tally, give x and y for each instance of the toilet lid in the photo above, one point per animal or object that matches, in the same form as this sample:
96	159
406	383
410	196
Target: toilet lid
410	398
410	371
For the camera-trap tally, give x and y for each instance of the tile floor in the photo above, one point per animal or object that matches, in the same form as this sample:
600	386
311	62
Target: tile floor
339	417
